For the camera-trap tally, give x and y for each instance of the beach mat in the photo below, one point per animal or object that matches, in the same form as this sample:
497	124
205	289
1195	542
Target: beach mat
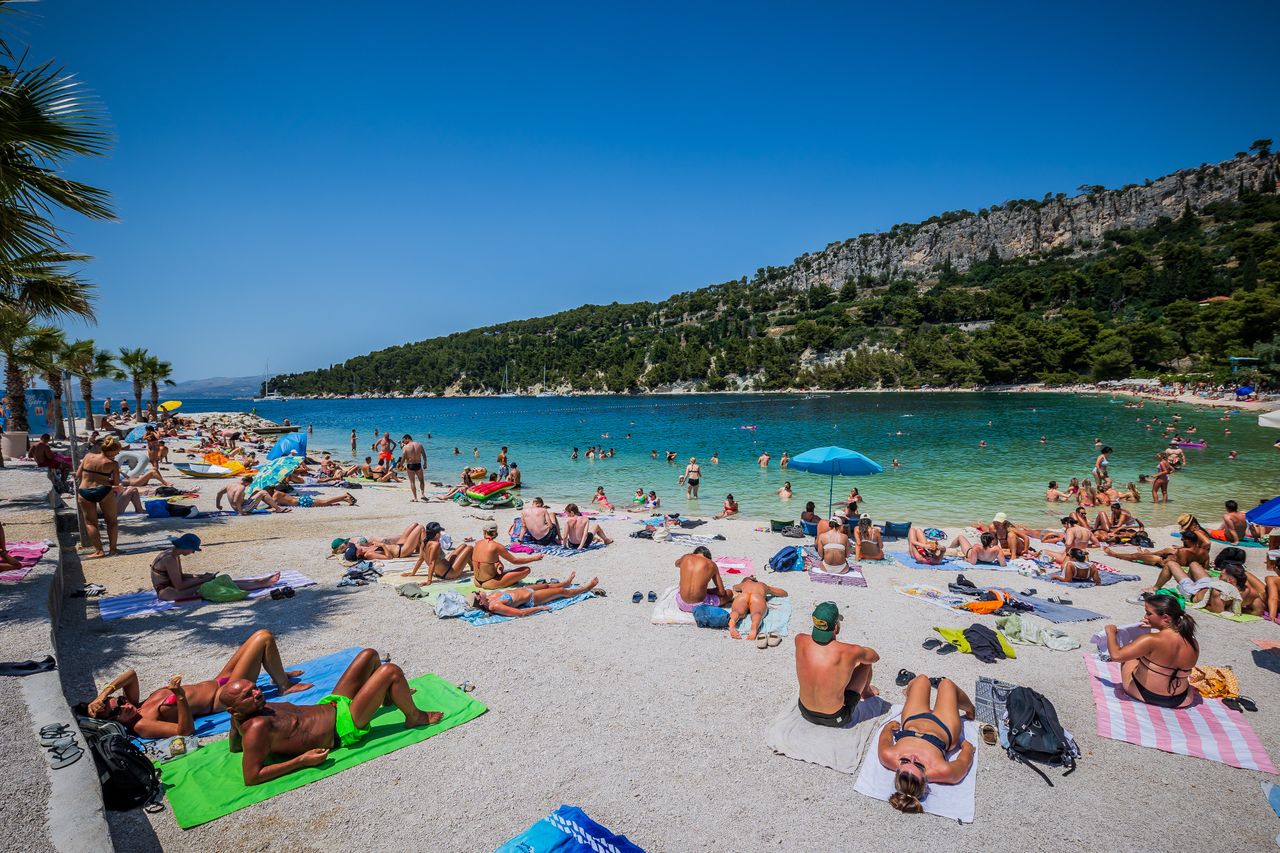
736	566
1207	729
322	673
1226	614
933	595
562	551
1056	613
208	784
842	749
568	830
27	554
776	619
147	603
818	574
479	617
957	801
948	564
224	513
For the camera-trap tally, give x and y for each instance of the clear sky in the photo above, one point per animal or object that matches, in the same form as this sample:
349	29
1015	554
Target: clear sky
302	182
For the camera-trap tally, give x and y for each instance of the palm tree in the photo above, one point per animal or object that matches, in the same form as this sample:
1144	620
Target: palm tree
157	372
87	362
46	118
134	361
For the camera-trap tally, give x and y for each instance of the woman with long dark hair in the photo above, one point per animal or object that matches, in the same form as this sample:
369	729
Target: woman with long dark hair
1154	668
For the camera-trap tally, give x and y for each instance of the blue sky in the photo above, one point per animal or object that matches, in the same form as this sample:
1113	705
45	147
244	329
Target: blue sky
372	174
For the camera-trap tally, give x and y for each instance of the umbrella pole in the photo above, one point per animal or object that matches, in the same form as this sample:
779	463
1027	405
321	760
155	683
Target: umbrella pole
831	502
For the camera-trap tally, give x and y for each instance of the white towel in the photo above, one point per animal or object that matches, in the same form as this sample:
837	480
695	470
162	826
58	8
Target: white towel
954	801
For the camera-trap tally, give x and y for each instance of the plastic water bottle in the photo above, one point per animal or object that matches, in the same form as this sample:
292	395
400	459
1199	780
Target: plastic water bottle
386	658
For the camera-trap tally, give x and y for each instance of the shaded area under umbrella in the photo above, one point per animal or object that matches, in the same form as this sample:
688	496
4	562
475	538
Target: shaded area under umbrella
835	462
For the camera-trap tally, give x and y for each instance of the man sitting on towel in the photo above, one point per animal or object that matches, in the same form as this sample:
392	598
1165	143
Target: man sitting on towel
304	734
700	582
540	524
834	676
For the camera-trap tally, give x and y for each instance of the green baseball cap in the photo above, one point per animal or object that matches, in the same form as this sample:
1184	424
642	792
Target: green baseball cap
825	618
333	546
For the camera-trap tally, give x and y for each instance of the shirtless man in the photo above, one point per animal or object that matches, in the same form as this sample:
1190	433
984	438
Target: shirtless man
502	457
46	457
384	446
751	596
276	498
579	532
236	493
763	459
304	734
1234	525
833	676
487	559
540	524
415	459
514	476
700	582
1115	522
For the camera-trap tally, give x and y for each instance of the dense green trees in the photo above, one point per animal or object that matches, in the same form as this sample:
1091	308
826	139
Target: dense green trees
1133	307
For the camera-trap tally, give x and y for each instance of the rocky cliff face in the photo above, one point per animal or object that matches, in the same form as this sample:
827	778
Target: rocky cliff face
1022	227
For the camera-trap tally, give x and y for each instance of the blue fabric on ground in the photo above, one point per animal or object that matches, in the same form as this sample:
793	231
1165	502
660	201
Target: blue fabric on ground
949	564
776	619
1056	613
562	551
479	617
1108	578
322	673
568	830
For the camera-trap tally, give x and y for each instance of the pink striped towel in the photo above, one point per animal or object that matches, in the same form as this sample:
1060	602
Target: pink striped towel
1206	729
736	565
26	553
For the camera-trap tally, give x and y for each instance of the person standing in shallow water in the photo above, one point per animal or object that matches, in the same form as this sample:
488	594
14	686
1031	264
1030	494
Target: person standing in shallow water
692	477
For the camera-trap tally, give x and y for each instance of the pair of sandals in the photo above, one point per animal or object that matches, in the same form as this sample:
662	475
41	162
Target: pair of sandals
283	592
638	596
60	745
942	648
906	676
769	640
1241	704
1055	599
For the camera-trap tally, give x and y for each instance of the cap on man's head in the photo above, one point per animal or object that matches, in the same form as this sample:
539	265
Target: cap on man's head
1000	517
490	528
333	546
186	542
1115	504
826	616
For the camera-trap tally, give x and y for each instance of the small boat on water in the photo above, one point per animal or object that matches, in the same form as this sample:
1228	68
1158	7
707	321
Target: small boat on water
1193	444
203	470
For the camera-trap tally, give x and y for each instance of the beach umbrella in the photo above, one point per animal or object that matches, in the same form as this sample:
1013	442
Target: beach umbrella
1244	390
1270	419
171	405
294	441
136	433
1267	514
835	462
274	472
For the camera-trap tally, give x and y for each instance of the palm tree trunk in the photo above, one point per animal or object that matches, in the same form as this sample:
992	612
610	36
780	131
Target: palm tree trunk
155	400
54	378
16	386
86	394
137	396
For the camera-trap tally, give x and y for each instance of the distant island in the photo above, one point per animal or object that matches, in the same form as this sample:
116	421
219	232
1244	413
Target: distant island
1165	278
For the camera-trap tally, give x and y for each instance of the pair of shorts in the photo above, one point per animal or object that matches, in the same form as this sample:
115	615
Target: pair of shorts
344	727
413	466
306	501
712	599
384	456
839	720
548	539
590	538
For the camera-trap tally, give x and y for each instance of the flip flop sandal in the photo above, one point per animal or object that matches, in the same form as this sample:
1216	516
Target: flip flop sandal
946	649
989	735
64	757
775	640
58	742
55	729
904	677
1234	704
599	593
1057	599
653	596
931	644
637	597
467	687
934	681
1248	704
762	642
1031	591
540	580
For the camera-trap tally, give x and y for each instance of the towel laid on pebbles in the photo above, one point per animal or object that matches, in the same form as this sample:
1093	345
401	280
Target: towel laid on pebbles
839	749
776	619
818	572
146	603
27	554
479	617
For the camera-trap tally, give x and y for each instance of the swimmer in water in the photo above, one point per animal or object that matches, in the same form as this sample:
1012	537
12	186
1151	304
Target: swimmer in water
1044	440
896	463
1233	454
982	443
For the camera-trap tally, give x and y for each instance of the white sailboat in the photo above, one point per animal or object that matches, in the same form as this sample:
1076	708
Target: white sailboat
267	396
505	392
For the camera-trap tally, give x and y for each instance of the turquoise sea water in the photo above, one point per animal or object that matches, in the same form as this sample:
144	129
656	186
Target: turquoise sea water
944	479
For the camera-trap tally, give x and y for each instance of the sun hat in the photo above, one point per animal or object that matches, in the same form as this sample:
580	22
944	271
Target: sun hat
1185	519
186	542
1000	517
825	618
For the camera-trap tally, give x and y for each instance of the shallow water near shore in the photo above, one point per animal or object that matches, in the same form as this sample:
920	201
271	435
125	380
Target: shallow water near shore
944	478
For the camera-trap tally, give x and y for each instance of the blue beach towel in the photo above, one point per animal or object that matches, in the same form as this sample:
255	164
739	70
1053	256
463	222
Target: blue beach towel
776	619
568	830
479	617
322	673
1056	613
948	564
562	551
1107	578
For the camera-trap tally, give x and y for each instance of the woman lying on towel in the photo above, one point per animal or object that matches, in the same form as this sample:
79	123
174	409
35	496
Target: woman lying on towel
986	550
528	600
170	710
1154	668
916	747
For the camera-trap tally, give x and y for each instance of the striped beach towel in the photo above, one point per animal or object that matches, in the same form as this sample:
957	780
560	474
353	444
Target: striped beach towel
736	565
817	574
1207	729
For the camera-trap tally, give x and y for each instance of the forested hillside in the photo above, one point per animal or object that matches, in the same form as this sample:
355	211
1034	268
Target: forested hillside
1126	304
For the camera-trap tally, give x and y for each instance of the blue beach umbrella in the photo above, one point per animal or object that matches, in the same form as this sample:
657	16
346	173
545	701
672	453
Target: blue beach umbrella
274	472
835	462
287	443
1244	390
1267	514
136	433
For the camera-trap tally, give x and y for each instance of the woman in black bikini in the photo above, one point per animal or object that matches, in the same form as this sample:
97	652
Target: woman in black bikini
917	747
1154	668
96	479
439	566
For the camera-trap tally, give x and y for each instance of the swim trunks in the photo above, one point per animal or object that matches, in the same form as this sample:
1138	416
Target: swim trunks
384	456
306	501
344	728
839	720
413	466
548	539
712	599
590	538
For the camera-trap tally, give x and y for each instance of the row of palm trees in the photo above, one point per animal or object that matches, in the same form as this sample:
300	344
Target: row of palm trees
47	118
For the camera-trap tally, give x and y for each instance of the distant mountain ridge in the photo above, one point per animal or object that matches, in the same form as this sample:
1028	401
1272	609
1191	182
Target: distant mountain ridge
215	386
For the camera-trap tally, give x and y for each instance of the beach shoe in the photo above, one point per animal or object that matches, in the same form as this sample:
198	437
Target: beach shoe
1057	599
989	735
57	741
762	641
55	730
946	649
637	597
1031	591
931	644
775	640
598	592
653	596
60	758
904	677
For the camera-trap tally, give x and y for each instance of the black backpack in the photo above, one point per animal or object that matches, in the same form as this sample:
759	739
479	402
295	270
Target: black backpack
1035	733
128	777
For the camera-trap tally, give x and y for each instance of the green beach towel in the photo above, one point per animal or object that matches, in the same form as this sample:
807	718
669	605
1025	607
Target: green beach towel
207	784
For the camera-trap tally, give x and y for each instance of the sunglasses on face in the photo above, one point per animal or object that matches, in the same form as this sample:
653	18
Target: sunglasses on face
905	761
